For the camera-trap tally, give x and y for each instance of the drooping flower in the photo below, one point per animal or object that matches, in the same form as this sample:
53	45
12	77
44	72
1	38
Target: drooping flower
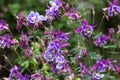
14	73
6	41
113	9
83	52
72	14
20	20
23	43
111	32
3	25
85	29
97	76
27	53
101	40
34	17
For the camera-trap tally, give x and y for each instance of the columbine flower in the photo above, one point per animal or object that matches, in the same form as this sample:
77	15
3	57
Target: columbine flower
101	40
85	30
56	3
52	51
52	12
48	56
3	25
60	60
6	41
101	66
113	9
14	73
83	68
35	17
25	77
97	76
83	52
117	68
72	14
36	76
60	36
27	53
20	20
23	43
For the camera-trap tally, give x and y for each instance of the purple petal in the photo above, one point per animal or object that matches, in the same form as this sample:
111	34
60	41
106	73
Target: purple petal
115	2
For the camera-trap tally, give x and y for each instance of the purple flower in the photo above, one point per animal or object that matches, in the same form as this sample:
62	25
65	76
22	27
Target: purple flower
20	20
83	52
117	68
56	3
72	14
48	56
52	51
36	76
23	43
3	25
113	9
83	69
60	60
111	32
25	77
52	12
34	17
101	40
60	36
85	30
97	76
101	66
14	73
6	41
27	53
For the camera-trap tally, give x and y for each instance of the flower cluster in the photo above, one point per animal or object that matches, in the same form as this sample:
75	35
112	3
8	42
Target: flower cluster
51	54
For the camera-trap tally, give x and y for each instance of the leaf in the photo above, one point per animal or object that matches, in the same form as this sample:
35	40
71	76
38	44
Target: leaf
110	46
96	34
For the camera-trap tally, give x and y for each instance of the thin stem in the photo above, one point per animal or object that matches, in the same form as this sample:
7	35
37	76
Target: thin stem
6	58
93	12
16	50
100	23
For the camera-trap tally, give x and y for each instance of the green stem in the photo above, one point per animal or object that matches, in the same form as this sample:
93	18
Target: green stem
8	60
100	23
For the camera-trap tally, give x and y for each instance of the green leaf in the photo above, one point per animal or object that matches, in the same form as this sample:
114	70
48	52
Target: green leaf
110	46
